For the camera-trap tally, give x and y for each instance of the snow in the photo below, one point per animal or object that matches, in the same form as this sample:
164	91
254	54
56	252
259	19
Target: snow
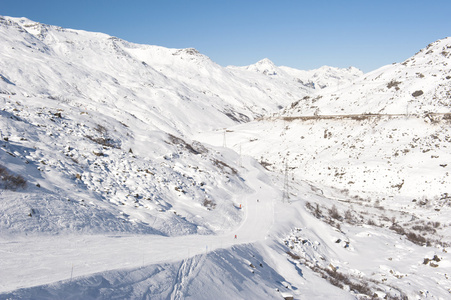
143	163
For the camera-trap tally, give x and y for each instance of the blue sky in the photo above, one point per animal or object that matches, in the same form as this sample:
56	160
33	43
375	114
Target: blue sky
299	34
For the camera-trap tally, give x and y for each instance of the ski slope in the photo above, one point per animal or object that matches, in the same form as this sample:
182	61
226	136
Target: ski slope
47	259
127	198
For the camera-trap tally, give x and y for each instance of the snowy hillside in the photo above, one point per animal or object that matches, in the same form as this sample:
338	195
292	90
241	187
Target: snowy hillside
392	122
150	83
100	127
376	153
115	182
109	123
88	164
419	85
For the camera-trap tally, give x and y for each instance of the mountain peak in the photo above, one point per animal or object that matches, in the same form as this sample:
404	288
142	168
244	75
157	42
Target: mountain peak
265	66
265	61
19	20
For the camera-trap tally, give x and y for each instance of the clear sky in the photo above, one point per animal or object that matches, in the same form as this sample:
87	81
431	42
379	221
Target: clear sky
300	34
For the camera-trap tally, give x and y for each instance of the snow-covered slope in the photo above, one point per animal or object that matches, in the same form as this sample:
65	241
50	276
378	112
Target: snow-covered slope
167	88
385	133
92	118
325	76
376	152
87	163
419	85
105	191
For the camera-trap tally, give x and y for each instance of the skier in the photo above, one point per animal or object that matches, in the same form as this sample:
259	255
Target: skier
235	236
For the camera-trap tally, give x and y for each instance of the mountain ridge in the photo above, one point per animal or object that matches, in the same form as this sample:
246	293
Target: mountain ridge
157	72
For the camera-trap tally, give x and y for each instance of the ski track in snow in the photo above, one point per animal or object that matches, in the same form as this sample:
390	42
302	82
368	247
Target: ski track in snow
47	259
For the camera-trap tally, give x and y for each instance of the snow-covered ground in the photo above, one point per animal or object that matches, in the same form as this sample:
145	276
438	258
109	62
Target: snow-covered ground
44	258
127	170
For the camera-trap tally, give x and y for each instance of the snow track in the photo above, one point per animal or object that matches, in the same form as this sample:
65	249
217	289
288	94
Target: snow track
38	260
188	269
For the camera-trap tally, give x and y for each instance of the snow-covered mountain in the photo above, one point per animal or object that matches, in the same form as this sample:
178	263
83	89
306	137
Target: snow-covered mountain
314	79
100	115
94	126
148	82
115	182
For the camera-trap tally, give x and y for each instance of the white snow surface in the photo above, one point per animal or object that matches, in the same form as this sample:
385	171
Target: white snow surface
143	163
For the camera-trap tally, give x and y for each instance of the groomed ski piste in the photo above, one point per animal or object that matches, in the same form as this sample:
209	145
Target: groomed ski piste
77	266
48	259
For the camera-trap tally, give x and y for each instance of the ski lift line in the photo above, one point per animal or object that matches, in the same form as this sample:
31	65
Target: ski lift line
240	162
224	143
286	195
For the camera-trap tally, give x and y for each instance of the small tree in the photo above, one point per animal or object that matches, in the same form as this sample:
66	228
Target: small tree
333	213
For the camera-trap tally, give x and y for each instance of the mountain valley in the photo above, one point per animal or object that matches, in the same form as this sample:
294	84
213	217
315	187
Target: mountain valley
137	171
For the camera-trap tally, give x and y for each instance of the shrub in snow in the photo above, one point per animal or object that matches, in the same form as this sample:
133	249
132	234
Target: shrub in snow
209	204
293	255
222	165
315	210
333	212
195	147
394	84
349	217
417	239
107	142
9	181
